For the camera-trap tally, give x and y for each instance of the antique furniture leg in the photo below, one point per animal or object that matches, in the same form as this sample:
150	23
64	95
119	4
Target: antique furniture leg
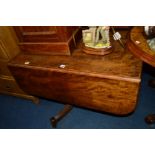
151	117
67	108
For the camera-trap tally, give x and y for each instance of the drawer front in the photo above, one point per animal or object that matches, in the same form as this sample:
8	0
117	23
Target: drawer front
3	68
9	85
113	96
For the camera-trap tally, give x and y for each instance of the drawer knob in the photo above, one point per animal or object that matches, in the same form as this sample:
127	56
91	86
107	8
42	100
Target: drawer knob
27	62
62	66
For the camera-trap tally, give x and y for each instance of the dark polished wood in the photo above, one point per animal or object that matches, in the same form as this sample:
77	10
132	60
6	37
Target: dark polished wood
105	83
44	33
49	40
138	45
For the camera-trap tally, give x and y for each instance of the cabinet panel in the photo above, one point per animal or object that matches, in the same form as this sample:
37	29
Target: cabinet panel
37	28
3	53
50	40
40	33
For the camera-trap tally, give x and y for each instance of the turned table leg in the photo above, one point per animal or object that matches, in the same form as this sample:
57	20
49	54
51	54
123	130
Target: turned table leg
67	108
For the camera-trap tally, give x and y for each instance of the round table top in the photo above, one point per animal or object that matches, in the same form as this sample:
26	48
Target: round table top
137	44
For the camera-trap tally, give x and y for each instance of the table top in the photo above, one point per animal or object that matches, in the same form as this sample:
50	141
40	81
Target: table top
137	44
120	64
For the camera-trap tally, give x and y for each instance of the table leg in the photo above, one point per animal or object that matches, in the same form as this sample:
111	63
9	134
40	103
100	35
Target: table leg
67	108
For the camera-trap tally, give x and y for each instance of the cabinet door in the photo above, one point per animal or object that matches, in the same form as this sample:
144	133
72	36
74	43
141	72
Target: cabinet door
41	33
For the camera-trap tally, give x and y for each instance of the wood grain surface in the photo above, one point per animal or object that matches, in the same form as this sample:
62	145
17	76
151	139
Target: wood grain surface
107	83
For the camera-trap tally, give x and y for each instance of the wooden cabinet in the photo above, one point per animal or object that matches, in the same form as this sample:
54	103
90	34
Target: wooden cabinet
50	40
8	50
